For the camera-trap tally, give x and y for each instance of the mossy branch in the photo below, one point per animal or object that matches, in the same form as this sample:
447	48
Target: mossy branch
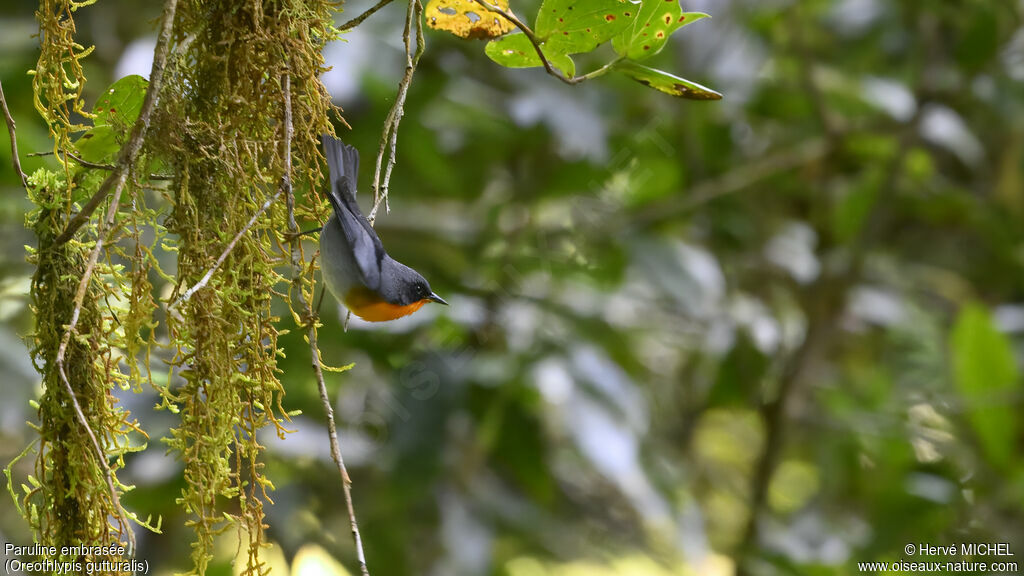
101	456
172	308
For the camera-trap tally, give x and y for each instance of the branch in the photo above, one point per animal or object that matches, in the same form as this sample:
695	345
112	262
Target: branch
130	151
532	37
297	261
83	162
389	136
359	19
14	141
529	35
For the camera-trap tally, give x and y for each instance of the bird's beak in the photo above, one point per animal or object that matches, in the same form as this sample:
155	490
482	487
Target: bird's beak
435	298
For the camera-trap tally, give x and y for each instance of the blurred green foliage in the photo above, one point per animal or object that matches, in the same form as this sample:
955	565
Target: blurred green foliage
776	334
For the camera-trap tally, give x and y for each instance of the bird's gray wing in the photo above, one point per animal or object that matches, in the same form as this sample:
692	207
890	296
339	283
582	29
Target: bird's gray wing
367	249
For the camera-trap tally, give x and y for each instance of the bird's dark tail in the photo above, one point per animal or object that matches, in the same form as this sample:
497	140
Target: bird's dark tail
343	163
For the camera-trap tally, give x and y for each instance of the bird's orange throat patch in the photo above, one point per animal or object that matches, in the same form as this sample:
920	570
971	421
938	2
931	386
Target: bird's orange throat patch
383	311
370	307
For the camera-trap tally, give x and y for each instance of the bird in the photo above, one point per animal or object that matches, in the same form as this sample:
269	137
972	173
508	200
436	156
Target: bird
356	269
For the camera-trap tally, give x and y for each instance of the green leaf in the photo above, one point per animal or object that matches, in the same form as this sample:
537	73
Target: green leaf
114	112
985	374
851	212
121	102
665	82
571	27
100	144
651	28
516	51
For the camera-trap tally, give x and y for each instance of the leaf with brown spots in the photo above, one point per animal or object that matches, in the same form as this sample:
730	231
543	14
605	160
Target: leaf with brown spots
113	115
649	32
467	19
572	27
665	82
516	51
121	102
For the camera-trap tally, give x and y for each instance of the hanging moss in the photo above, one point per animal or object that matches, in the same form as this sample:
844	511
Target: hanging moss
68	500
221	125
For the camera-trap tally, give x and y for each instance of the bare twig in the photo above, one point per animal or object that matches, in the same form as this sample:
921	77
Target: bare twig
297	261
389	136
14	140
101	456
529	35
80	160
130	151
536	42
359	19
95	166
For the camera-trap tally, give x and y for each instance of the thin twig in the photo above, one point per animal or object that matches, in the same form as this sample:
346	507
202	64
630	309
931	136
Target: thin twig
14	140
359	19
389	136
536	42
101	456
530	36
95	166
297	261
80	160
130	151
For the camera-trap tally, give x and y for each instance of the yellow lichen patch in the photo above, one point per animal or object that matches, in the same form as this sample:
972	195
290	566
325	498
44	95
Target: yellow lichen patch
467	18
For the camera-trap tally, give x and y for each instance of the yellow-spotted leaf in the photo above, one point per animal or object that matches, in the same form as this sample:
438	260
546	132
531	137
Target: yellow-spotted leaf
665	82
572	27
468	19
649	31
516	51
